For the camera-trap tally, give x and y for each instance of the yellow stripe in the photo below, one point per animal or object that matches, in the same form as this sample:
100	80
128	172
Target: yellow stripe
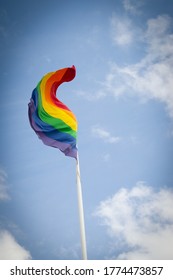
67	116
56	76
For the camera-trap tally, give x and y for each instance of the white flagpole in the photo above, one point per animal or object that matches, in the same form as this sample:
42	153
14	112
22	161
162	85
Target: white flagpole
81	211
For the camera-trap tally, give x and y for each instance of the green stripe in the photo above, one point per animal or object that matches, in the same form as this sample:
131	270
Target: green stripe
56	123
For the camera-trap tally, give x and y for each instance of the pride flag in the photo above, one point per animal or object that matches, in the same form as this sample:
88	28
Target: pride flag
53	121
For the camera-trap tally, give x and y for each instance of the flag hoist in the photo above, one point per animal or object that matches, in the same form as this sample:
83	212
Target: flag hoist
56	125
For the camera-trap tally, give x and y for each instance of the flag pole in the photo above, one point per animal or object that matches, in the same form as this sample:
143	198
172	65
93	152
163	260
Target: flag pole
81	211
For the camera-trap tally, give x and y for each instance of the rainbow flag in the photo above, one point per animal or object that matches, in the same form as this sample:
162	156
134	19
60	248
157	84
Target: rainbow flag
53	121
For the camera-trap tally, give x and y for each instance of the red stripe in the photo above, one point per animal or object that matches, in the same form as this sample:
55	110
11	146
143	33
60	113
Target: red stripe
55	100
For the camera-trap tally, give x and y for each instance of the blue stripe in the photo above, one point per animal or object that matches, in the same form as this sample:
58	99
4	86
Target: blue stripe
51	132
47	129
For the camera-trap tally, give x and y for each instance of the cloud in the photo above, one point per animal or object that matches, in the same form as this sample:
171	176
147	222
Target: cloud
106	157
3	186
104	135
132	6
10	249
91	96
68	253
121	31
151	77
140	222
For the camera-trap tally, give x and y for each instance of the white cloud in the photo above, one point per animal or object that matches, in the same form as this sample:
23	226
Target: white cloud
67	253
10	249
104	135
151	77
3	186
106	157
121	31
91	96
140	222
132	6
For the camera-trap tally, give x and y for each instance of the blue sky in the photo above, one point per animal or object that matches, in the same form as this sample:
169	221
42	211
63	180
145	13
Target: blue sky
122	97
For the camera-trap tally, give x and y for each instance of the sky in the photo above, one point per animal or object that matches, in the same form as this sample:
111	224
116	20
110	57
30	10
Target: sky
123	100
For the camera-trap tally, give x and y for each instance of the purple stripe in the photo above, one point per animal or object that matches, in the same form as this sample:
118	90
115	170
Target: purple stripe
64	147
